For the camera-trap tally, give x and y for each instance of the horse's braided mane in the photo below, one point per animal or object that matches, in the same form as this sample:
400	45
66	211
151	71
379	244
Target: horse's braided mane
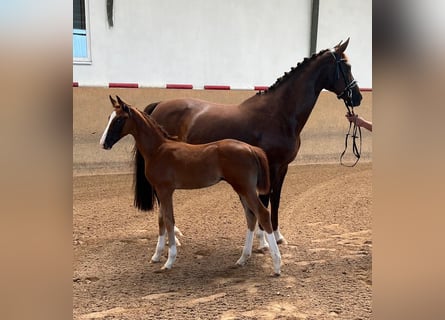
161	128
293	70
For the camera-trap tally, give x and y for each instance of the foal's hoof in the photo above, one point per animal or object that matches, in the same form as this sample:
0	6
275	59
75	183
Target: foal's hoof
241	262
155	260
162	270
262	250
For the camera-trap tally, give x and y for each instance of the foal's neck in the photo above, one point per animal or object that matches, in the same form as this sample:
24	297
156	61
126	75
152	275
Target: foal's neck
147	134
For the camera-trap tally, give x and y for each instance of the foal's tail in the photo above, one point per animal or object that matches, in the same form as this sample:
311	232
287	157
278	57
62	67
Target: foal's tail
263	182
144	193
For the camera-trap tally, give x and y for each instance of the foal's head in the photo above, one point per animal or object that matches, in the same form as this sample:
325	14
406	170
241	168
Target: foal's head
117	126
340	79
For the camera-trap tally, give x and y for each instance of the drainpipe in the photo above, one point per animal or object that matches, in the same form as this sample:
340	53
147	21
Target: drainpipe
314	25
110	12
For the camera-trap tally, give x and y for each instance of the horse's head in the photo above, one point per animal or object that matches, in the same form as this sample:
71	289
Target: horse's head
116	127
340	79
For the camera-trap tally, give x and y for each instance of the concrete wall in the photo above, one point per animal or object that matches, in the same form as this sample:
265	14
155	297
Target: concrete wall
238	43
322	137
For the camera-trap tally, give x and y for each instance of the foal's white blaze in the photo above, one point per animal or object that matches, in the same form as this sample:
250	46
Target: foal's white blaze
104	135
247	250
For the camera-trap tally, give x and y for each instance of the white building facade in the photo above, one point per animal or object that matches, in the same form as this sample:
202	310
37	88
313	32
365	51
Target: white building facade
240	44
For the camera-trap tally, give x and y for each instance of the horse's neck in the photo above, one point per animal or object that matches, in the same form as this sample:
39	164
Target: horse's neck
299	93
147	135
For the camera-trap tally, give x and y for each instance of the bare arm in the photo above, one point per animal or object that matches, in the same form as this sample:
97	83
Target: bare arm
360	121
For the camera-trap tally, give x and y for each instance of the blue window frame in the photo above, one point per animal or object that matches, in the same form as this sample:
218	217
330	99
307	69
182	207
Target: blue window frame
81	45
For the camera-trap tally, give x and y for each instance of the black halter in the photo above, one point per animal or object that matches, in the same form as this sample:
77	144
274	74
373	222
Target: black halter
346	95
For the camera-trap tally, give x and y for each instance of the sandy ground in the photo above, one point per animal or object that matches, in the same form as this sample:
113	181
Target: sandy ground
325	215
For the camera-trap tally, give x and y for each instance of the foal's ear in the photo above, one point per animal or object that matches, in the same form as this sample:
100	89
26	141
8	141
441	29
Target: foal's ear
123	105
114	102
341	47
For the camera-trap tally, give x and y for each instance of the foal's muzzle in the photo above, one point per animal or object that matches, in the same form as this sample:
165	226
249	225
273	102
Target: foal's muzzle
106	146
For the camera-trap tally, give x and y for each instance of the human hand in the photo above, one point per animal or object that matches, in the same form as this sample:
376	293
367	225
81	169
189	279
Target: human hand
359	121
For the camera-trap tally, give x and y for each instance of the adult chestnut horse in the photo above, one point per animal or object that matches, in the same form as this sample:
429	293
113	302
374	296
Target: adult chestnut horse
172	164
271	120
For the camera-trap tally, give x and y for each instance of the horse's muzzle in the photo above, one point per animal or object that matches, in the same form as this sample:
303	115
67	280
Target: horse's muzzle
356	99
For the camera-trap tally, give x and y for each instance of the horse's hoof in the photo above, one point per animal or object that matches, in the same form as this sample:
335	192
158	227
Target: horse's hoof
155	260
178	232
276	274
279	237
282	241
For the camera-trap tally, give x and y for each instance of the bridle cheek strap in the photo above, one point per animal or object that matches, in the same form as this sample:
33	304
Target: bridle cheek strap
346	94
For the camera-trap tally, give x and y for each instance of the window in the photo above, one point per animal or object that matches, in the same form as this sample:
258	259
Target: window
81	48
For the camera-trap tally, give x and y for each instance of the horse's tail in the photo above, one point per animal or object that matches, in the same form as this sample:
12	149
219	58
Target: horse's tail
149	109
263	181
144	193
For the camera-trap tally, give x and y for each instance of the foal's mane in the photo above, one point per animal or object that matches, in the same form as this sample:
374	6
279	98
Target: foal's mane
300	67
158	126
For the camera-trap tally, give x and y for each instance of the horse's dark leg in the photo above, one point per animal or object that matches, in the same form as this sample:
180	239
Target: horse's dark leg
276	185
265	199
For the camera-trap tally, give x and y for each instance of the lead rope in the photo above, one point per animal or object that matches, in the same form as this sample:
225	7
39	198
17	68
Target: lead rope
355	150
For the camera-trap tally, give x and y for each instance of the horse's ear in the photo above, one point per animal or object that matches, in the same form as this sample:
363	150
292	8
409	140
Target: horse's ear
123	105
120	100
114	102
342	46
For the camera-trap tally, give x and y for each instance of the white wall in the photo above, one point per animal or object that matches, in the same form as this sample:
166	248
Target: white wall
237	43
340	19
